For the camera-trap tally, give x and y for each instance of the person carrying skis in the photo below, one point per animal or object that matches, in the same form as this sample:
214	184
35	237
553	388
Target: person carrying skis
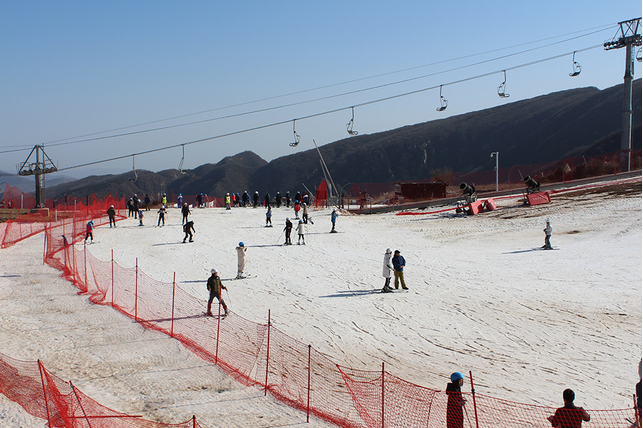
301	229
111	212
214	287
162	212
185	210
333	219
269	217
89	228
455	401
386	271
241	260
288	230
188	228
569	416
398	265
547	231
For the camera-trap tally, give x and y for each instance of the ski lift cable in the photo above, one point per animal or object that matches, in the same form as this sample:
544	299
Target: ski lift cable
64	142
323	113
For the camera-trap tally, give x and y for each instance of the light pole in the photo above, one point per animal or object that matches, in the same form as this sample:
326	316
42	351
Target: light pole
496	154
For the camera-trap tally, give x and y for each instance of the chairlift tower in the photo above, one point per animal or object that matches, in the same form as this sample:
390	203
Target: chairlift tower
628	36
42	166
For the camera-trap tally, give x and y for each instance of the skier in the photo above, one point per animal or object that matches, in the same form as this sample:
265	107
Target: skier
136	204
179	200
241	260
298	197
288	229
147	202
386	272
164	199
89	228
288	199
333	219
185	210
199	200
569	416
188	228
227	201
269	217
162	212
305	198
266	200
301	228
455	401
140	217
278	199
111	212
297	208
547	231
304	215
130	207
255	199
245	198
398	265
214	287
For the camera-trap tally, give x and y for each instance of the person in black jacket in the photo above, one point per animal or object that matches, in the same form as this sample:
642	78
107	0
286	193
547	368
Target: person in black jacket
185	210
455	401
288	230
188	228
111	212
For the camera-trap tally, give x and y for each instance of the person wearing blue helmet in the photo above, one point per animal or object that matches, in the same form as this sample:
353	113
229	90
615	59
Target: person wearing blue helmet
455	401
241	260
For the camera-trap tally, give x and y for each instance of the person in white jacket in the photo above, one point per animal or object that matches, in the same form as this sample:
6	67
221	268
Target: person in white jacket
301	228
386	272
547	231
241	260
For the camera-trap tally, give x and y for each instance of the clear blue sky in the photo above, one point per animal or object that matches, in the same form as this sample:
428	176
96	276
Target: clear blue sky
74	68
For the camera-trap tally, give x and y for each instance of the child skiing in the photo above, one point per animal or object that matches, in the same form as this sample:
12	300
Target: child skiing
301	228
162	212
140	217
269	217
241	260
89	229
214	287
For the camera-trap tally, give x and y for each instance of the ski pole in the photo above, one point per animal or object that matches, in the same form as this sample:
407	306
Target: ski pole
282	233
228	294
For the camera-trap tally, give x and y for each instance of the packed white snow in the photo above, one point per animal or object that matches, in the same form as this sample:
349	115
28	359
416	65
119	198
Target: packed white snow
482	297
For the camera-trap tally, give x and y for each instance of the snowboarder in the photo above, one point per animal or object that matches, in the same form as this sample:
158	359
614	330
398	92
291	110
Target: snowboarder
455	401
140	217
304	214
269	217
333	219
301	229
162	212
386	272
241	260
111	212
288	229
188	228
185	210
214	287
89	229
569	416
547	231
398	265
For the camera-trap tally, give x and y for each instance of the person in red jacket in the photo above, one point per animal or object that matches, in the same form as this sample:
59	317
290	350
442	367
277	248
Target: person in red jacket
569	416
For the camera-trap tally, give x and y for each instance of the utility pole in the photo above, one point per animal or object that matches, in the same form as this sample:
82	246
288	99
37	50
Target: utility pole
38	168
628	36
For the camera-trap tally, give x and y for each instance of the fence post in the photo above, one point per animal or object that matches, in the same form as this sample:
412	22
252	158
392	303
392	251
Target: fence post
193	421
44	390
265	390
44	252
216	352
308	403
473	394
136	294
382	394
173	297
85	261
112	277
80	404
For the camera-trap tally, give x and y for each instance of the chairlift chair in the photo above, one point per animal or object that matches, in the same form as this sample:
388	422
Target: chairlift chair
349	125
638	55
503	87
182	159
297	137
575	66
134	168
443	102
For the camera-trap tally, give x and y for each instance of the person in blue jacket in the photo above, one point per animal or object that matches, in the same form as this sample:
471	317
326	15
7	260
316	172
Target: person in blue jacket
398	266
333	219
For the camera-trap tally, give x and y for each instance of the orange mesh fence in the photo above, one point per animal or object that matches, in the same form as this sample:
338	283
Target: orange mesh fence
60	403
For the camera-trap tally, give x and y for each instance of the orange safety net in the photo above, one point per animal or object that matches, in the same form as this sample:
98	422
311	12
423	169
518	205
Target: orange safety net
60	403
321	195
